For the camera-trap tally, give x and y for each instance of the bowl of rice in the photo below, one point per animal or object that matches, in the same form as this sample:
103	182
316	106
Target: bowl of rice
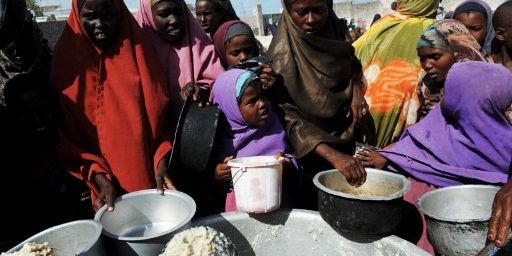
73	238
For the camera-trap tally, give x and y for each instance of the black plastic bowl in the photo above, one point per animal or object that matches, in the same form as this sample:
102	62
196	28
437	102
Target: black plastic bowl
372	209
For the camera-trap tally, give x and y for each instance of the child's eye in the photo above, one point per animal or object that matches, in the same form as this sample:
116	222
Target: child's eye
302	11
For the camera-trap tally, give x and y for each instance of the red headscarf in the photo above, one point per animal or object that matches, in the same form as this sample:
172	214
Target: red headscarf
113	104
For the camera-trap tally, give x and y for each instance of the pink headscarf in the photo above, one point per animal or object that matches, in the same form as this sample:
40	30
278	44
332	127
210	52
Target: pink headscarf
192	60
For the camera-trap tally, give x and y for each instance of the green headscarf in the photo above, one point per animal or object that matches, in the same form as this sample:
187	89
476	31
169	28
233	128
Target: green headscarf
418	8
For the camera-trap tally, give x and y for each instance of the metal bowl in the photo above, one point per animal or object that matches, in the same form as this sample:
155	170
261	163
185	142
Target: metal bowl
373	208
458	218
300	232
144	221
73	238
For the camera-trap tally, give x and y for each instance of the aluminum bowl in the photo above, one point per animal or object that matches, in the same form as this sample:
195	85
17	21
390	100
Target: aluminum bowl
79	237
458	218
144	221
373	208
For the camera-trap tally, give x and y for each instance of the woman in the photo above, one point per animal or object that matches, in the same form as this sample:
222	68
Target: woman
440	46
184	50
114	98
23	50
464	140
391	65
211	14
322	77
476	15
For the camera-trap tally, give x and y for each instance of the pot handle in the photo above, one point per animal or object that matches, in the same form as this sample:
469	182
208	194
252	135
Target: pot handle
238	174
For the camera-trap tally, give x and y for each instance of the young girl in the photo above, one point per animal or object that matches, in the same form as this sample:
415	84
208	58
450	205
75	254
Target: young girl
235	44
113	99
476	15
184	50
253	128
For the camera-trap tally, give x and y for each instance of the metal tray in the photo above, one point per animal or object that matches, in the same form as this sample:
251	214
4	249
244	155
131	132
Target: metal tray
300	232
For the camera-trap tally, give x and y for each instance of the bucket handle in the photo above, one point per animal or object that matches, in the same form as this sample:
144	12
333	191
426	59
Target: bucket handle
236	176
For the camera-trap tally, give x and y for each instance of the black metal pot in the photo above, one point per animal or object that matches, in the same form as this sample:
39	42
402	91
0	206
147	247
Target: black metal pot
195	135
372	209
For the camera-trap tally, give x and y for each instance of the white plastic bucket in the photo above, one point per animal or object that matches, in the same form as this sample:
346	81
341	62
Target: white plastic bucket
257	182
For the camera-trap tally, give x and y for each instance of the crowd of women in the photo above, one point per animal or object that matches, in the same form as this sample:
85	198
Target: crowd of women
431	100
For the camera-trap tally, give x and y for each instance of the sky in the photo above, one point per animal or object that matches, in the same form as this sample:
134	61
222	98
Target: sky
241	6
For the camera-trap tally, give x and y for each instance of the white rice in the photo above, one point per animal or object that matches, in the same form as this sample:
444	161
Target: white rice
33	249
200	241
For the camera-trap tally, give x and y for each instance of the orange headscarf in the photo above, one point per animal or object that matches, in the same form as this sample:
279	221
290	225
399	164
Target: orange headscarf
113	104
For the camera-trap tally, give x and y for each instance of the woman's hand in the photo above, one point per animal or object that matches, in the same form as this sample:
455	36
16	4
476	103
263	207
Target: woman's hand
162	178
501	218
370	157
267	76
107	193
359	106
350	167
197	92
223	171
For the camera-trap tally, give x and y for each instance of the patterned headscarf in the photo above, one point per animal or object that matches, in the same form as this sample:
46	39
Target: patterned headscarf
452	36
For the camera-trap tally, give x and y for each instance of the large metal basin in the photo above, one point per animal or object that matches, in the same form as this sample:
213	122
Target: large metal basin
144	221
80	237
373	208
300	232
458	218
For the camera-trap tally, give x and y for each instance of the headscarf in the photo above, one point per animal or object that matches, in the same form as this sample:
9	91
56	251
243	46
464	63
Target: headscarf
317	71
113	104
483	8
418	9
227	31
452	36
391	66
192	60
226	7
245	140
465	139
40	64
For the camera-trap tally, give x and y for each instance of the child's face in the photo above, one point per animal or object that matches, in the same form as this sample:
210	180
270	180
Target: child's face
239	49
253	105
168	18
476	23
35	113
436	62
209	17
100	21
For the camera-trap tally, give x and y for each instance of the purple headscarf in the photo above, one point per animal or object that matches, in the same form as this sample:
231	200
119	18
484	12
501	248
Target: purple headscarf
466	138
245	140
